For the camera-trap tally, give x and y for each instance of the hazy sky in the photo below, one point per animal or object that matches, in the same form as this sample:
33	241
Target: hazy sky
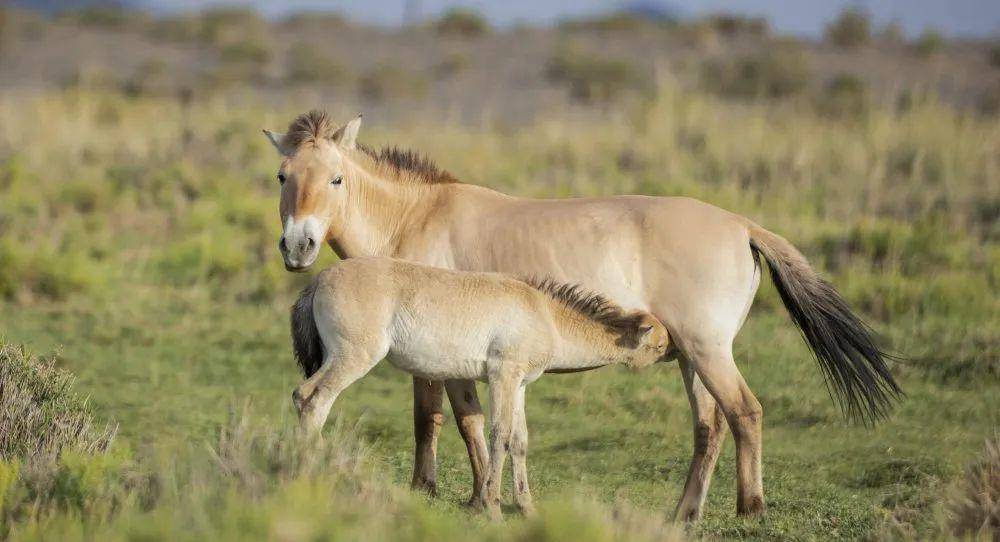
806	17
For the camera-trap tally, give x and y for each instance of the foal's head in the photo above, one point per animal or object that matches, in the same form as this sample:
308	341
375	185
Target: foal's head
311	178
651	340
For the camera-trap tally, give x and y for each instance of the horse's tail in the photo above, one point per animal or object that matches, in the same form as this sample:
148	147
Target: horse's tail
854	367
306	342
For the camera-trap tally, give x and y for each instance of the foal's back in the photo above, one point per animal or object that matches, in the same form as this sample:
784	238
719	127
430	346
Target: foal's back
435	323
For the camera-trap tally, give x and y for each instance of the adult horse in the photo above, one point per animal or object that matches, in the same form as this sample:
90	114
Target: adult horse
694	266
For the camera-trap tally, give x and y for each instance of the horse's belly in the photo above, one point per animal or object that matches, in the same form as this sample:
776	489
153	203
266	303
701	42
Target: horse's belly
433	364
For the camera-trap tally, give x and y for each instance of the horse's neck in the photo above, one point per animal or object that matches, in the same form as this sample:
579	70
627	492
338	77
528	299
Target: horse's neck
583	343
379	215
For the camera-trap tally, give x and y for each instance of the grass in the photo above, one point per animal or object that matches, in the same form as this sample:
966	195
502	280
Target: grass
147	258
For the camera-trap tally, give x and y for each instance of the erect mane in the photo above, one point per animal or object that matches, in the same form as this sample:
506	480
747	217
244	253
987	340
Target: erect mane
308	128
411	164
593	306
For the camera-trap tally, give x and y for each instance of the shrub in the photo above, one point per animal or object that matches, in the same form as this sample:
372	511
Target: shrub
995	56
845	96
851	29
249	50
773	73
931	42
593	79
307	64
731	25
221	25
390	81
975	504
40	416
463	23
618	21
105	16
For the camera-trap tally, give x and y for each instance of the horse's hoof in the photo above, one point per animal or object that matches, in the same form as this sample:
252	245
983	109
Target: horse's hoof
754	507
424	485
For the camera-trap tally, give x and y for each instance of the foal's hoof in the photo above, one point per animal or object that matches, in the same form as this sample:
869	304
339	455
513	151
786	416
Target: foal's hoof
494	513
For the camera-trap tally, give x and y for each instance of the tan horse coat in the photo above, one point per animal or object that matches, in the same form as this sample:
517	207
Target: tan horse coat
694	266
440	324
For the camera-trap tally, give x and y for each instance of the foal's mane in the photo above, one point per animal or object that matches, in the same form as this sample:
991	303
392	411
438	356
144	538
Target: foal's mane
308	128
593	306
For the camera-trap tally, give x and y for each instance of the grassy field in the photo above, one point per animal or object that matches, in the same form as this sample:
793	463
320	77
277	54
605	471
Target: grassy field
138	242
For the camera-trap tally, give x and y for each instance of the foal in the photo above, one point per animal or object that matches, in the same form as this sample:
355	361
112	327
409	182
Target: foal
440	324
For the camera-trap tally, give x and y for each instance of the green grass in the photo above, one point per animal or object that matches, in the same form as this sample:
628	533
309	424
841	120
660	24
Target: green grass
146	259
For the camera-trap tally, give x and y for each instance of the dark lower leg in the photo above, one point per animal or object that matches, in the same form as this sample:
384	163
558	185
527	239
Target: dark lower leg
427	420
709	432
471	422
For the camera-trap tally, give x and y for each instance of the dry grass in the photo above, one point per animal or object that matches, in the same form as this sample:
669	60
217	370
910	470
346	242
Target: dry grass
40	416
974	507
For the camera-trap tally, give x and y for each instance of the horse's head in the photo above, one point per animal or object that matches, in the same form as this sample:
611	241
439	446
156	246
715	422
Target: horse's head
311	178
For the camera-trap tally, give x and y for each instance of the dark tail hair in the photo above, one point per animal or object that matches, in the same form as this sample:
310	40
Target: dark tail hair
854	367
306	342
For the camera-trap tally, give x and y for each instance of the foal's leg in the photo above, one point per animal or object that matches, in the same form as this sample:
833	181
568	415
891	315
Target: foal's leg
503	388
717	369
337	373
519	454
428	416
469	415
709	432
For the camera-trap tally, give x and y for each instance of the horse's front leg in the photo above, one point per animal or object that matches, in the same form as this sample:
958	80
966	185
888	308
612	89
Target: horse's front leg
519	455
427	419
470	419
503	388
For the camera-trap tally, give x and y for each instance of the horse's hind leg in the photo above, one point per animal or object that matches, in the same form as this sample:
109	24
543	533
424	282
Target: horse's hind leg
709	432
470	419
343	367
717	369
519	455
428	416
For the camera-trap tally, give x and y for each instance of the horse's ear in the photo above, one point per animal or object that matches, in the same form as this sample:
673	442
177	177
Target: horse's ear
275	139
347	136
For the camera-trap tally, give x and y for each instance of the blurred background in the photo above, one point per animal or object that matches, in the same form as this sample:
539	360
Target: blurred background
139	224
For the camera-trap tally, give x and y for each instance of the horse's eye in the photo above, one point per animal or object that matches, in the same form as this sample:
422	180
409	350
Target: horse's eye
337	180
281	178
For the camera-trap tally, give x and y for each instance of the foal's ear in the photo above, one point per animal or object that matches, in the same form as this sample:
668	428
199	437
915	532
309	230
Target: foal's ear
275	139
347	135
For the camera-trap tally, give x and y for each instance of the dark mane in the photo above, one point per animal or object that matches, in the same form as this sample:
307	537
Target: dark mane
593	306
310	127
405	161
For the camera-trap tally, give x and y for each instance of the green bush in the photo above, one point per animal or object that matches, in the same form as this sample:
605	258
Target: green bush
851	29
995	56
249	50
612	22
308	64
390	81
593	79
930	43
772	73
732	25
463	23
846	96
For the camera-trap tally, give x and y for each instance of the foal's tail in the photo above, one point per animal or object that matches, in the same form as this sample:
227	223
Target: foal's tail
854	367
306	342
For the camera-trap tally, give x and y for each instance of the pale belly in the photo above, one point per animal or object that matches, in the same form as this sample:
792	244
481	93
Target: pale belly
433	364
